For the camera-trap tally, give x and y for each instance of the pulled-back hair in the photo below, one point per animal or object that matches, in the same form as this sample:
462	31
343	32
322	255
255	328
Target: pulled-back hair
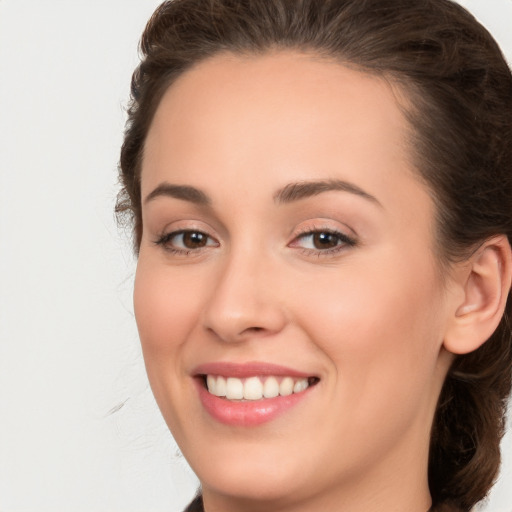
459	107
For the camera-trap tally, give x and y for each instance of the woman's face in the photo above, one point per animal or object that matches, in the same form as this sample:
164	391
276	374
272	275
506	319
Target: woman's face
287	244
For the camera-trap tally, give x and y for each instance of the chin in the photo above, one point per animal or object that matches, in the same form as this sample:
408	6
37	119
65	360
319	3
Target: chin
263	486
254	477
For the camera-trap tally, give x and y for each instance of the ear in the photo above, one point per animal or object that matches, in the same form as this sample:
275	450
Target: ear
485	282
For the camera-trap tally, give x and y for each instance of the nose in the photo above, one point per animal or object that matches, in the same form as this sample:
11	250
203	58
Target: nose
244	300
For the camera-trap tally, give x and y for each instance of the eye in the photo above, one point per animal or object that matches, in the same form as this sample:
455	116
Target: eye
323	241
186	241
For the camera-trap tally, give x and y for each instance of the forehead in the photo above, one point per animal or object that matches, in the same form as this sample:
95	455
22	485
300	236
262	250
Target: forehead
284	115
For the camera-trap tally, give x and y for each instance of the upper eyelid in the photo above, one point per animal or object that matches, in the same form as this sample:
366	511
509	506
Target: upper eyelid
347	236
184	225
335	232
170	233
325	225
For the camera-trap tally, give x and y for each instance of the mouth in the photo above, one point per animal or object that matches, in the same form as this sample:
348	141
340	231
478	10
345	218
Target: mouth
251	394
256	387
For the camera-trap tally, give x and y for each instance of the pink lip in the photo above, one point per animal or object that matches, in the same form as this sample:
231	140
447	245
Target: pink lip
251	369
246	413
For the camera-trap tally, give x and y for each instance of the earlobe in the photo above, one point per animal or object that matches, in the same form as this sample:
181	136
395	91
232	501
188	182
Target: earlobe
486	283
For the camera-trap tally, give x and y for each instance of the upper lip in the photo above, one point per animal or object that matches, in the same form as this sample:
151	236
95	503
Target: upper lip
249	369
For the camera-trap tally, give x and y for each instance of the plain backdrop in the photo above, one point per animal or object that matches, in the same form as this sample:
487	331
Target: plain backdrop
79	429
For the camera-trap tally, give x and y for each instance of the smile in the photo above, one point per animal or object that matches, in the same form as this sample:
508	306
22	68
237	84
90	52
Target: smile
256	388
250	394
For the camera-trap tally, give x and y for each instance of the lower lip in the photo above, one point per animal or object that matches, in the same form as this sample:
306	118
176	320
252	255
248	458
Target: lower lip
248	413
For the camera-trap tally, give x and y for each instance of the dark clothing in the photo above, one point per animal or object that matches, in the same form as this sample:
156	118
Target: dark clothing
196	505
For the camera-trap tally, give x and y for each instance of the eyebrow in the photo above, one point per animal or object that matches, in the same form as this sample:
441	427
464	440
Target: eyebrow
303	189
288	194
183	192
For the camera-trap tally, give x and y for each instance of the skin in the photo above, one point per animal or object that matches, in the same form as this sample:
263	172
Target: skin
368	319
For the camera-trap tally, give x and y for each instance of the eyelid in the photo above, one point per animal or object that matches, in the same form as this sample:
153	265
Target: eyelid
167	235
346	241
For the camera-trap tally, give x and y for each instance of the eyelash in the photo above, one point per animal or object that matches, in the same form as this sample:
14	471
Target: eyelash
343	241
165	241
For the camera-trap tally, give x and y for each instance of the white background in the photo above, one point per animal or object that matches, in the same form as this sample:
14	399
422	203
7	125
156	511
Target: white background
69	353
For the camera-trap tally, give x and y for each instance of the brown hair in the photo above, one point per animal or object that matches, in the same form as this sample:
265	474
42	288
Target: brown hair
459	91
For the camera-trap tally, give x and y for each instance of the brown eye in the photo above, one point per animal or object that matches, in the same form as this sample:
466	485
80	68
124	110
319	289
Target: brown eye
184	241
325	240
194	239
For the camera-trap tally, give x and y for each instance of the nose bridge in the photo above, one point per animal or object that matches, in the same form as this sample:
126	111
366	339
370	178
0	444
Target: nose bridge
243	301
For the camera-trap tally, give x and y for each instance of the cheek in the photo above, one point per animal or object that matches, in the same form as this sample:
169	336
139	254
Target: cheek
381	329
165	311
165	305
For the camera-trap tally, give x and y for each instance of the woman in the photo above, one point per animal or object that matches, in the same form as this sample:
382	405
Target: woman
321	194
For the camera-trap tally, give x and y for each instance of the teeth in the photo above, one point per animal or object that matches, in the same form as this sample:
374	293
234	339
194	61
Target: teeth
271	388
286	386
221	386
210	384
216	385
234	389
300	385
254	388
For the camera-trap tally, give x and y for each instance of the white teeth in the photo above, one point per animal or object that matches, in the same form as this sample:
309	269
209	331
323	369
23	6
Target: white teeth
254	388
211	384
300	385
221	386
286	386
271	388
234	389
216	385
